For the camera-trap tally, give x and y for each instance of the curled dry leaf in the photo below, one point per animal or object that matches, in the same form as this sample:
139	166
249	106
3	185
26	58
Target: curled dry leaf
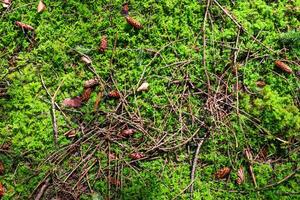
223	173
240	176
260	84
127	132
85	96
41	7
114	181
74	102
143	87
24	26
87	60
6	3
1	168
2	190
136	156
125	9
134	23
103	44
284	67
114	94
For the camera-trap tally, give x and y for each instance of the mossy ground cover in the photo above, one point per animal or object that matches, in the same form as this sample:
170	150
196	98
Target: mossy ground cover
194	95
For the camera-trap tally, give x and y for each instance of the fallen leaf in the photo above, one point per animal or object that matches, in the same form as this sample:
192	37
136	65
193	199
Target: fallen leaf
260	84
6	3
136	156
41	7
2	190
125	9
87	60
103	44
222	173
114	94
241	177
1	168
284	67
91	83
127	132
134	23
24	26
143	87
85	96
74	102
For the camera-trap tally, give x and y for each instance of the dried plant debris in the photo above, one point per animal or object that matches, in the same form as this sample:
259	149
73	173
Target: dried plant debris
91	83
136	156
87	60
260	84
85	96
127	132
103	44
284	67
143	87
240	176
125	9
71	133
74	102
41	7
1	168
24	26
134	23
2	190
6	3
114	94
223	173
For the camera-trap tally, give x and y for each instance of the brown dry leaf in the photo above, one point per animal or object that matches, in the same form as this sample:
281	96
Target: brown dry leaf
74	102
103	44
127	132
6	3
260	83
41	7
85	96
125	9
1	168
134	23
143	87
223	173
241	177
284	67
2	190
91	83
87	60
136	156
114	94
24	26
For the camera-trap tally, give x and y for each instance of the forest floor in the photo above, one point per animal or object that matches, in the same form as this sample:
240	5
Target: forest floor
176	99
